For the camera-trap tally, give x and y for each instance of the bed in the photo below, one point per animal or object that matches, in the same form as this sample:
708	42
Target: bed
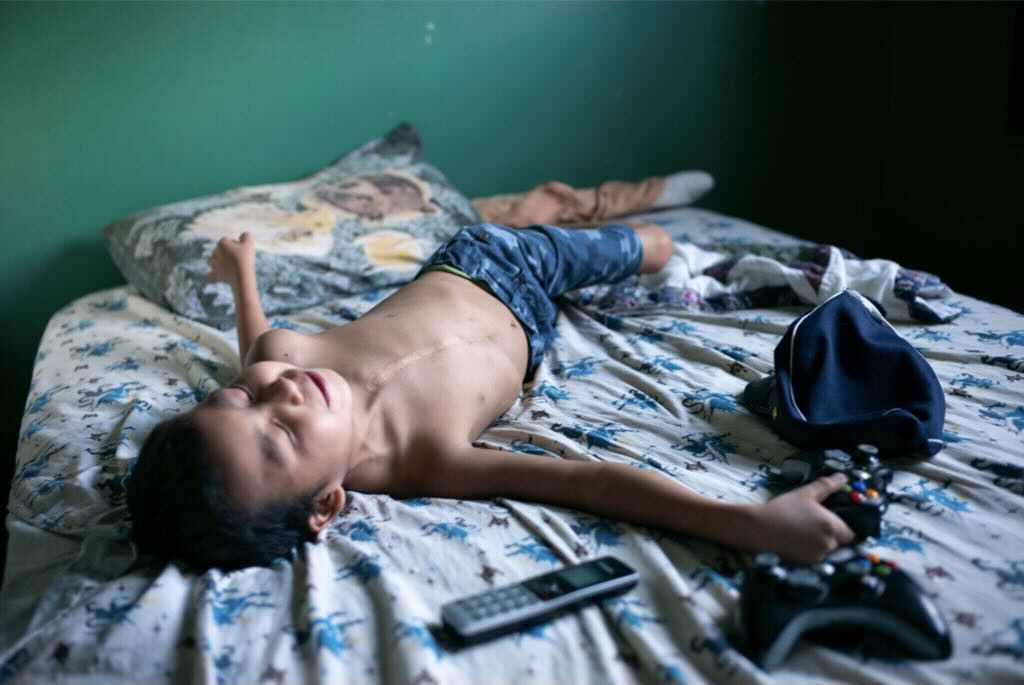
650	382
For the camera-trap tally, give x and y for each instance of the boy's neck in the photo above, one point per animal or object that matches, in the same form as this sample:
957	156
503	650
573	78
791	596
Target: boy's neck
372	434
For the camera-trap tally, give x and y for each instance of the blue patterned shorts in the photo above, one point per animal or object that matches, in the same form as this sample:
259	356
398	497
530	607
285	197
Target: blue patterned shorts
527	268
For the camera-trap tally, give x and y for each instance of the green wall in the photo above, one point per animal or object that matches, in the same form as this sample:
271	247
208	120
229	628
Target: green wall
112	108
883	128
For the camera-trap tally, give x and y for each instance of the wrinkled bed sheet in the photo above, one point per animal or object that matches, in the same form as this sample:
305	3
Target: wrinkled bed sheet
630	379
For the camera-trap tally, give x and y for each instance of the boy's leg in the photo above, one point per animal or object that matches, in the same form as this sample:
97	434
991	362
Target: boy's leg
657	246
566	259
562	259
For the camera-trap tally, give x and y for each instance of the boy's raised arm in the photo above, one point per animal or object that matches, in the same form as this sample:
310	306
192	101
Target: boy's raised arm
234	262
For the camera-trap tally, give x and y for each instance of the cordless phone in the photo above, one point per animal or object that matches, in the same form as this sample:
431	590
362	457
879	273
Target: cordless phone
512	607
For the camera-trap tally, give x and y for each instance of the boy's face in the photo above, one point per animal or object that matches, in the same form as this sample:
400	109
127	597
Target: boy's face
278	431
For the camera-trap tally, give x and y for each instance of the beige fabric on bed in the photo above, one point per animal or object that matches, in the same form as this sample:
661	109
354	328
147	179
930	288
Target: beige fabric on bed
561	204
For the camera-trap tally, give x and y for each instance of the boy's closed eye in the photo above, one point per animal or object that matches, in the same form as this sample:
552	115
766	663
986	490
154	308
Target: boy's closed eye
222	397
287	433
267	442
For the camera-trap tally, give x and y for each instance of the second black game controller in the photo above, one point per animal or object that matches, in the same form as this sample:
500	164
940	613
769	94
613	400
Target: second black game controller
852	600
862	500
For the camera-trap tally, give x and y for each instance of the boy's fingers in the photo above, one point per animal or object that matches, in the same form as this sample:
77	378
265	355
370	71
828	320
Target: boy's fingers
844	534
825	486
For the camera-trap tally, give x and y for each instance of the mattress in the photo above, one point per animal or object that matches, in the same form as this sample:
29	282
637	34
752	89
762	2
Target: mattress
651	383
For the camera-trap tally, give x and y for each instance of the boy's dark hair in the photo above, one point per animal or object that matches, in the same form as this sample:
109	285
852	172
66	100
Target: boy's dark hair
180	508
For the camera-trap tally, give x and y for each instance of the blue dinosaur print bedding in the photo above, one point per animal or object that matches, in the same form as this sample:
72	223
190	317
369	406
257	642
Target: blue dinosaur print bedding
645	373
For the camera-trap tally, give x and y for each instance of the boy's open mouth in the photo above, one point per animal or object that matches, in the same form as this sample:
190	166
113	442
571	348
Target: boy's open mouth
321	385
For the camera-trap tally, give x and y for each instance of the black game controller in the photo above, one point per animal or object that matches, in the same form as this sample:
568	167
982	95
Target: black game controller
854	599
863	500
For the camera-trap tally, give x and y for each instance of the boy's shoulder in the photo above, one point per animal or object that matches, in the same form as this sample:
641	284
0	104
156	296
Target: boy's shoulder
404	473
281	345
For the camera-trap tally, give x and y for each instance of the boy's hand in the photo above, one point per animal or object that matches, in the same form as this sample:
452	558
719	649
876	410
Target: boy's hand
797	527
232	260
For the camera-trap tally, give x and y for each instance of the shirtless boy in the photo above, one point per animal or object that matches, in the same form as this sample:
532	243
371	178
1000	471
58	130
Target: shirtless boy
392	402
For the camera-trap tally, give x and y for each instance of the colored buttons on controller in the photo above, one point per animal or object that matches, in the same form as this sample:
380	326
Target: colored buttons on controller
884	568
871	492
858	485
856	497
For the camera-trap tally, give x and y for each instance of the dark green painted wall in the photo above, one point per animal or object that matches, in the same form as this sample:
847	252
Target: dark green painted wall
112	108
880	127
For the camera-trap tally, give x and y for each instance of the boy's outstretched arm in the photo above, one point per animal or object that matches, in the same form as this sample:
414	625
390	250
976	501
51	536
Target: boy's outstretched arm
796	526
234	262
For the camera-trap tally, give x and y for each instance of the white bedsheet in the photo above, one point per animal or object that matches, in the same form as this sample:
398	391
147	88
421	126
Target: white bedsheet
655	388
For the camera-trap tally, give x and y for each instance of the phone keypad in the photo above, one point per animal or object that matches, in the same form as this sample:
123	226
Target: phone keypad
496	602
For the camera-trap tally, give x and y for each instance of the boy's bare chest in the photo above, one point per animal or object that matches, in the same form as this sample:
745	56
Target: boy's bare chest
446	357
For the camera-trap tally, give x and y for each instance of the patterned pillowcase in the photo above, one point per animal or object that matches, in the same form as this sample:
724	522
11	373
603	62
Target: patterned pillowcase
369	220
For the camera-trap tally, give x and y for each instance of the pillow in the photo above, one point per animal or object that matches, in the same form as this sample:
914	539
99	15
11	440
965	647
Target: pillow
369	220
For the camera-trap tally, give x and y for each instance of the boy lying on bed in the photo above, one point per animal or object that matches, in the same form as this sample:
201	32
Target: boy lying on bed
392	402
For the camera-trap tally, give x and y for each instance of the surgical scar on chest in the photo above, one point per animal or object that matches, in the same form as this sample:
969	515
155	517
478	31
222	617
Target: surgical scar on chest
392	368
